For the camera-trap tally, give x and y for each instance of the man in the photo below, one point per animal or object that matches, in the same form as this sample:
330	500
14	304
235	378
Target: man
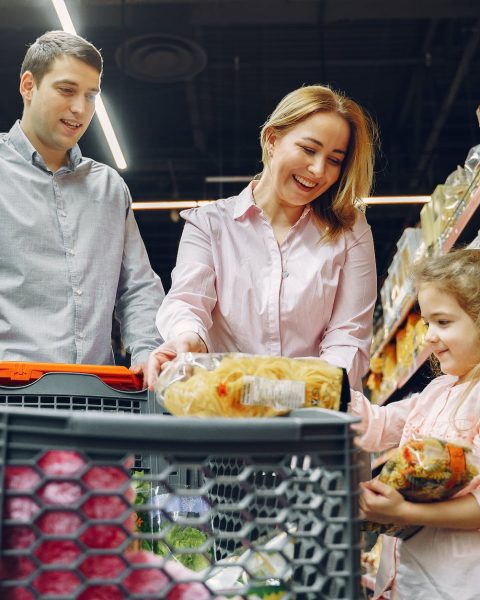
70	250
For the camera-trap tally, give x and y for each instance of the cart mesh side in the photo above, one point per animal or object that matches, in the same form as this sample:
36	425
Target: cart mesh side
270	511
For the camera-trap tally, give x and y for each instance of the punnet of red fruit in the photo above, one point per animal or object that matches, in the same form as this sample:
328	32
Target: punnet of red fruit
67	531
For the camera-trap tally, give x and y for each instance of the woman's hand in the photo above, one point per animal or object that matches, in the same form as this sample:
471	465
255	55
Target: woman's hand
382	504
188	341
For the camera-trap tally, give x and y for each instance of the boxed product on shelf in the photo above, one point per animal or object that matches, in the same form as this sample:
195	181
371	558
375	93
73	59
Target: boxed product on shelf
419	334
427	225
273	507
389	379
403	356
409	249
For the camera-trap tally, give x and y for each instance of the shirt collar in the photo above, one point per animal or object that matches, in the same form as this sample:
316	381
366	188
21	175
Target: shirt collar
245	201
23	146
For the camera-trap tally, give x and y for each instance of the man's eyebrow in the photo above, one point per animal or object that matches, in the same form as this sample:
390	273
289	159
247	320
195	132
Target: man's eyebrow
75	84
310	139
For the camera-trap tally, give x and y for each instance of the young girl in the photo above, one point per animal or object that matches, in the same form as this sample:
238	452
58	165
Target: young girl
443	559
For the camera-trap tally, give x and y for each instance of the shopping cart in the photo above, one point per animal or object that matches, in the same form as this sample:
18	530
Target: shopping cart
68	519
104	388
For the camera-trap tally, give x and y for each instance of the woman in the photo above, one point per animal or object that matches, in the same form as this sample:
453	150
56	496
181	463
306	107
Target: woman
287	267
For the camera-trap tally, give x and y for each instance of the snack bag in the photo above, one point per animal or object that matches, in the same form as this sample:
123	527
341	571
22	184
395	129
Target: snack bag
425	470
243	385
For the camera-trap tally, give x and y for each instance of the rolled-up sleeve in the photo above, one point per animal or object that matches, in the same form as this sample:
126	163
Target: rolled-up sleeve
347	339
381	426
189	304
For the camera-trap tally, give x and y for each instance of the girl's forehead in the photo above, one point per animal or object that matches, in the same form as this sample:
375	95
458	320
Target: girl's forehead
431	296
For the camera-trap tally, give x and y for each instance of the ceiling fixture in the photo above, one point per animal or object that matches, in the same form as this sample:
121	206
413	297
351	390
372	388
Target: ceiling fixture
101	112
161	58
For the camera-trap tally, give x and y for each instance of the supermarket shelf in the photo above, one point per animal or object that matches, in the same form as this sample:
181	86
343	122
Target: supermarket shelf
462	222
406	309
418	361
458	228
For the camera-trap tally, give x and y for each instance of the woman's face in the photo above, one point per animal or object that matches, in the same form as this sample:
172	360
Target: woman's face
307	160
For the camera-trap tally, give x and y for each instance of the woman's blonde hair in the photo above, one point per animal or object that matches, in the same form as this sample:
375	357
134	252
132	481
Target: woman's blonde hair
336	207
456	273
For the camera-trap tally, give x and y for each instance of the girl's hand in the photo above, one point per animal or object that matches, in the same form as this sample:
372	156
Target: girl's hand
381	503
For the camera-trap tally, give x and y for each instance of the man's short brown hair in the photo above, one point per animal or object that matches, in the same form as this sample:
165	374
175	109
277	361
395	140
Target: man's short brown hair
54	44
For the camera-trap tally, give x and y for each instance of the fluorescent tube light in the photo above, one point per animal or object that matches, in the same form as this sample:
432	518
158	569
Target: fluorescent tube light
64	16
101	112
227	178
396	200
169	204
180	204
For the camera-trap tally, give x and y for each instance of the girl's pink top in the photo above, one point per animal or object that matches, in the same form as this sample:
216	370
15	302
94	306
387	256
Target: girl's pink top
434	563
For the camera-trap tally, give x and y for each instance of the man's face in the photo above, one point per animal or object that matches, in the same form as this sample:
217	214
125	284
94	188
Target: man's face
59	109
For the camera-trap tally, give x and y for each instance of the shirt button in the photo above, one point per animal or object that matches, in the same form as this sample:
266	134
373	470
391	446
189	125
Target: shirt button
71	252
63	213
78	292
81	336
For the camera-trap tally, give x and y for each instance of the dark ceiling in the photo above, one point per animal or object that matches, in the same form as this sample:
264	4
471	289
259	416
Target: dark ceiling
189	82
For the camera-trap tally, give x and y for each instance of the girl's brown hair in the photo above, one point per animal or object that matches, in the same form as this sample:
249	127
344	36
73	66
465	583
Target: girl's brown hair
457	274
336	207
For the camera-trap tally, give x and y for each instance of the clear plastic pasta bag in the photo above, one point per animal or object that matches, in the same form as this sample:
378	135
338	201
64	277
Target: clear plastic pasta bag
245	385
425	470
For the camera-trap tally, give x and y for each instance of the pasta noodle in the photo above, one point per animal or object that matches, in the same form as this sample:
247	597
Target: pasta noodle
240	385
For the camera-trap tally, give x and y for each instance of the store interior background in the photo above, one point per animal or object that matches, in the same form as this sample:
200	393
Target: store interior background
188	84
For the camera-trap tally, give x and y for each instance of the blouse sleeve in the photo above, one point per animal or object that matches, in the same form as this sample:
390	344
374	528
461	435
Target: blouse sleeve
381	427
348	337
189	304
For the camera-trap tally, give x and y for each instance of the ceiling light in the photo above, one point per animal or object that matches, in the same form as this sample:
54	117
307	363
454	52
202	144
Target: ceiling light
106	125
179	204
396	200
227	178
169	204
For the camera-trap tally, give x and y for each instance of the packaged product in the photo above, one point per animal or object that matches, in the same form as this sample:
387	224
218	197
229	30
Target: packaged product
426	470
244	385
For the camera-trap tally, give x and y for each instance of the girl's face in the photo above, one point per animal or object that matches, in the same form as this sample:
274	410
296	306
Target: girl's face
307	160
452	334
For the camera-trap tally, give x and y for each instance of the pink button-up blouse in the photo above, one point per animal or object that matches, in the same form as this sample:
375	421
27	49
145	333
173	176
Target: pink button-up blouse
240	291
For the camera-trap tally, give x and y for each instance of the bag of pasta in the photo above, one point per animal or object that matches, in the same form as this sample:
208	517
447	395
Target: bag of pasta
244	385
425	470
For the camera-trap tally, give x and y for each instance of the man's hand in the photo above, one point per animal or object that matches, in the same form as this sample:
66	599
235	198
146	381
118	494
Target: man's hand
382	504
188	341
141	370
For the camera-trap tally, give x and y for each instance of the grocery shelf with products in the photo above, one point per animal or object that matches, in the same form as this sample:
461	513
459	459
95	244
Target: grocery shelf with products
398	352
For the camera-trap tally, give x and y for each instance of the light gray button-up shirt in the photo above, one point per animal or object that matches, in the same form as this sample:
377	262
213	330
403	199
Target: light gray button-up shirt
70	254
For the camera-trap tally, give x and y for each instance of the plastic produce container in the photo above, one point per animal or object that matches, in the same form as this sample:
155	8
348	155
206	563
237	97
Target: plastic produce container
272	508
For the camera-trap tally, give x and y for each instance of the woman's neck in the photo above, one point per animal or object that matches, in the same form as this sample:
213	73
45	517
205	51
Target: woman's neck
278	212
